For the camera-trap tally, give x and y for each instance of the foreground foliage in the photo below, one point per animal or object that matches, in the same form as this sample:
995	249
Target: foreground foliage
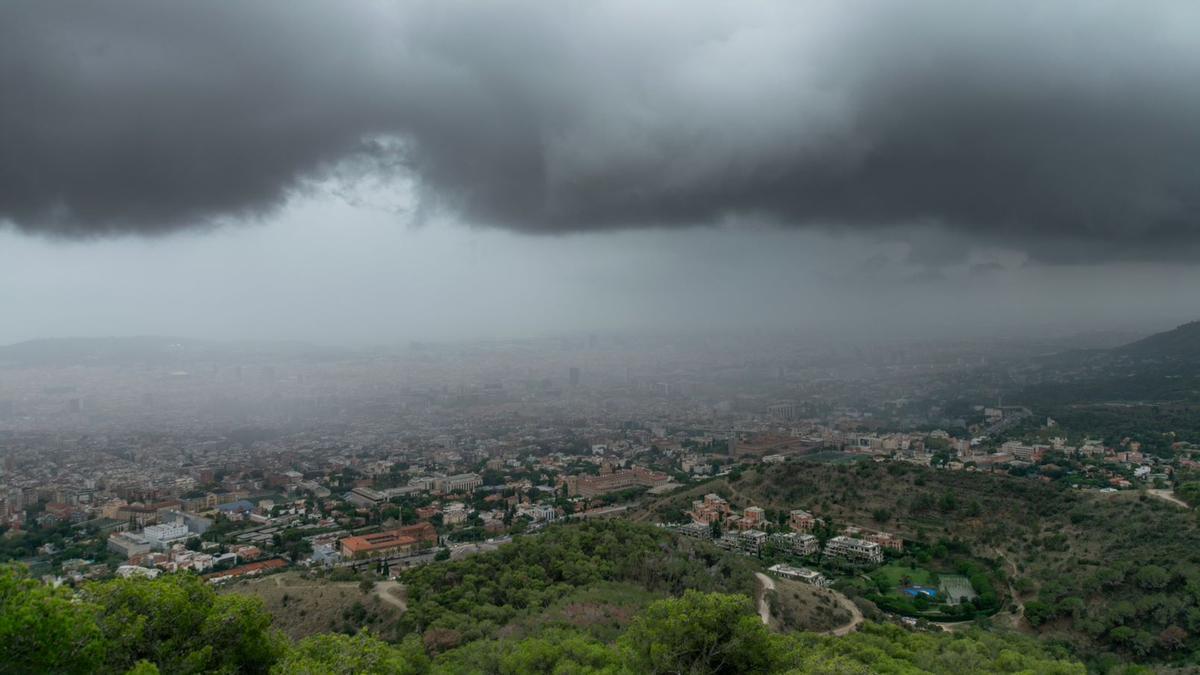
1116	576
456	602
178	625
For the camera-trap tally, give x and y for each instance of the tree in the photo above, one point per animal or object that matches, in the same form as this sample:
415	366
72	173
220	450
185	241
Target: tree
337	654
714	529
181	625
1037	613
43	630
699	633
1152	577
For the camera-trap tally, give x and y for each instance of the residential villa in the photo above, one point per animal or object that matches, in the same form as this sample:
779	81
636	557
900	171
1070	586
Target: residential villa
802	521
795	543
857	550
710	509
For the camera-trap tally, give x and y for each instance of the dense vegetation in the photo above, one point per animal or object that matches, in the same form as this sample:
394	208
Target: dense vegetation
469	599
176	624
1115	576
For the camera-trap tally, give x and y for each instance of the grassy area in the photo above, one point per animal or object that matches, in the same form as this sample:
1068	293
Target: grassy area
799	606
303	606
894	576
602	610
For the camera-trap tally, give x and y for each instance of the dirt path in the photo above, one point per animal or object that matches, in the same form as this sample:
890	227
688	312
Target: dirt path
384	591
1168	496
765	583
856	616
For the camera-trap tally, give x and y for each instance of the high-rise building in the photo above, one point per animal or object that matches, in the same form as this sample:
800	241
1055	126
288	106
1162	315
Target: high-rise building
574	377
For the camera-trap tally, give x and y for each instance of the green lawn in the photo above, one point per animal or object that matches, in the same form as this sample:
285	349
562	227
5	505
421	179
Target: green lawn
892	574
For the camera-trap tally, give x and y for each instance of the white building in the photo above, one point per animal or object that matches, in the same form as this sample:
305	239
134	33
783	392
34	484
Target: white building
540	513
162	536
463	482
800	574
127	571
128	544
858	550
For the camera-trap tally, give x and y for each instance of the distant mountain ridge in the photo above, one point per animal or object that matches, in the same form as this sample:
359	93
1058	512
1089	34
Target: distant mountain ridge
1182	342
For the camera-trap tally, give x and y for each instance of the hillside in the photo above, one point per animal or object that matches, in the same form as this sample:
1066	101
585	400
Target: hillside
1081	564
308	606
1181	343
651	622
1164	367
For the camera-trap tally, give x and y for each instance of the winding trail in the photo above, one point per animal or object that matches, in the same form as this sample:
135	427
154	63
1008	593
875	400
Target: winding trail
383	589
766	583
1168	496
856	615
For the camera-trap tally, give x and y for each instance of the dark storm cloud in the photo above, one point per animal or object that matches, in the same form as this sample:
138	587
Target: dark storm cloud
1065	129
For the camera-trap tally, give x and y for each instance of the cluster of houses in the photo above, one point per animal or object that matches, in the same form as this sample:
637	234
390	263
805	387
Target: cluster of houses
745	533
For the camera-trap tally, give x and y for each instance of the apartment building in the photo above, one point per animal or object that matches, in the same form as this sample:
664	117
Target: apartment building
795	543
857	550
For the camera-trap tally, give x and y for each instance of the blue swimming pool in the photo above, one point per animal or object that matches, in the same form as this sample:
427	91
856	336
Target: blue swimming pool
914	591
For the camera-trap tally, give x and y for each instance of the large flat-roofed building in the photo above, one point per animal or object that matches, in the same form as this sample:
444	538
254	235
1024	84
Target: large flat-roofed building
799	574
403	541
162	536
593	486
859	550
365	496
128	544
463	482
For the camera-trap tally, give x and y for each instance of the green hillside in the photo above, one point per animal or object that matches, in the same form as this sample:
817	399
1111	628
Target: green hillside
506	609
1115	576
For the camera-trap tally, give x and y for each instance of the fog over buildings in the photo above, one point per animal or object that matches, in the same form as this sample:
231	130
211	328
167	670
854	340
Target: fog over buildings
390	171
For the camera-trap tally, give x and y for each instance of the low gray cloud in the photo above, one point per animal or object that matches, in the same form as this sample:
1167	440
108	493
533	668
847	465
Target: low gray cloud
1065	130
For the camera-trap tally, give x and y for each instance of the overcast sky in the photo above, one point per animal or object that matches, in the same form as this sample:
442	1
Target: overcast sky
377	171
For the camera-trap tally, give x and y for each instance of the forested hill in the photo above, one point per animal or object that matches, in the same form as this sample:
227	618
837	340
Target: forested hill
1117	576
1164	367
495	613
1182	343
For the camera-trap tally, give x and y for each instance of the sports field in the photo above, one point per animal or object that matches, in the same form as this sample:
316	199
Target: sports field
955	588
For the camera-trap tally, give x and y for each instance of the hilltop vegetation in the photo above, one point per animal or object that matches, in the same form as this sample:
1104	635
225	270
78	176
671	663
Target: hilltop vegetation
176	624
1115	576
470	599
